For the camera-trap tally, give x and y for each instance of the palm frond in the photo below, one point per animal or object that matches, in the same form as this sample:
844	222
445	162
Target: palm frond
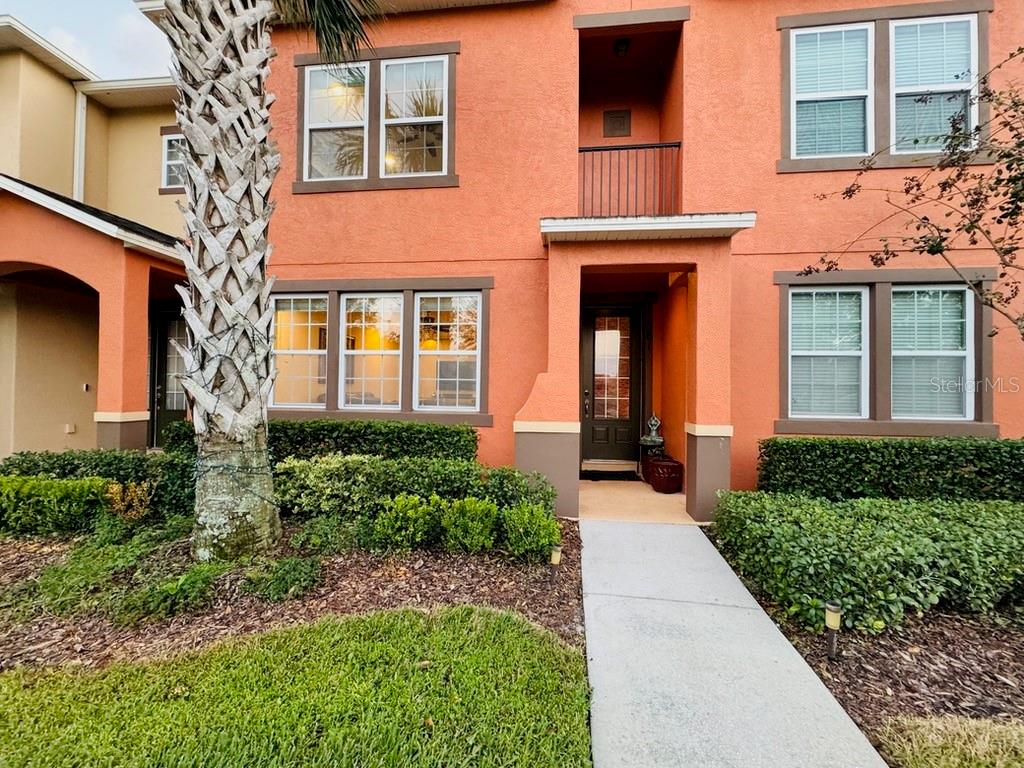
339	26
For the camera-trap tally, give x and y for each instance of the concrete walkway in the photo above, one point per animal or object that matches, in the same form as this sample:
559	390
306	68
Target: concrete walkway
687	671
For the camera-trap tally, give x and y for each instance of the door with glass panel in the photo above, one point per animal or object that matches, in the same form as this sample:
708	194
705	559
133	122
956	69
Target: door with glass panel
610	384
168	395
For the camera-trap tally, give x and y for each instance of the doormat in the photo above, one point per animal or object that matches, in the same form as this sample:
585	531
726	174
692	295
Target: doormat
592	475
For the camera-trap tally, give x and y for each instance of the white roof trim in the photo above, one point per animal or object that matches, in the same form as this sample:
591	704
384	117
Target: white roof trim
130	239
683	226
137	92
16	35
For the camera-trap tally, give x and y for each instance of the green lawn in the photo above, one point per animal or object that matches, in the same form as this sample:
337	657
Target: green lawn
954	742
458	687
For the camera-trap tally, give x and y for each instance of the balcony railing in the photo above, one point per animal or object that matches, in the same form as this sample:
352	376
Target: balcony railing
630	180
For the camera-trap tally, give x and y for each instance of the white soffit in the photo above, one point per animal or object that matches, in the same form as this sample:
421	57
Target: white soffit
126	94
682	227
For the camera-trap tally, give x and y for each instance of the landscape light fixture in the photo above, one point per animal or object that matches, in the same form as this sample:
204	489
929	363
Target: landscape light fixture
833	623
555	561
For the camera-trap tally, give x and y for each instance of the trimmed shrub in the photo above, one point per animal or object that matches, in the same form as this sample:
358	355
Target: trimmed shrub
388	439
896	468
171	476
283	579
41	505
530	531
326	535
879	557
351	486
469	525
407	522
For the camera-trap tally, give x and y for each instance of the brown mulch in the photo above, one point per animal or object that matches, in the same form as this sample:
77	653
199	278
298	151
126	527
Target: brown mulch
354	582
22	559
938	664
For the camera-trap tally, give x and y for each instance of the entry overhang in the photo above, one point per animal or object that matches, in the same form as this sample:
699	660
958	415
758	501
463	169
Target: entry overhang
682	227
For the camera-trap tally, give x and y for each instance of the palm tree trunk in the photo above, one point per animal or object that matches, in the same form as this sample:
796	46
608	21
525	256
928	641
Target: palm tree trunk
223	53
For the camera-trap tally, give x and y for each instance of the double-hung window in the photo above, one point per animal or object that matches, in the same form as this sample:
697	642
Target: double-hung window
414	116
447	375
832	101
828	344
300	346
371	366
934	66
932	352
172	172
336	122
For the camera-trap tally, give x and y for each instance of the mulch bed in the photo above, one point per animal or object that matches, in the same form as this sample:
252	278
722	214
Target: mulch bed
939	664
354	582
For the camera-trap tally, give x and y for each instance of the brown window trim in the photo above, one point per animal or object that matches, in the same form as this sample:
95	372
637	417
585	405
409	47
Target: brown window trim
880	422
881	17
333	289
374	180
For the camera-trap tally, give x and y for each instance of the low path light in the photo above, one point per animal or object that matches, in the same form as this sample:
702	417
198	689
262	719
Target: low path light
833	623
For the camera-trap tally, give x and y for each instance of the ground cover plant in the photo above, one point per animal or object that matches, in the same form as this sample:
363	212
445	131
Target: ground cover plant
459	686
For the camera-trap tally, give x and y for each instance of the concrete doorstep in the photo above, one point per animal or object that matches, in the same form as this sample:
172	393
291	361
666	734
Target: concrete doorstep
686	668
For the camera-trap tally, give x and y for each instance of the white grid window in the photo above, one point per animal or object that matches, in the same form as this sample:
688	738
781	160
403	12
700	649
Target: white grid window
932	352
934	65
447	361
336	122
828	353
371	367
831	91
174	371
414	116
300	346
172	174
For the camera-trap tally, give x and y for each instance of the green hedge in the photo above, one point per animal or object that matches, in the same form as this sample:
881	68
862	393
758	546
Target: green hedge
39	505
908	468
172	475
881	558
403	504
390	439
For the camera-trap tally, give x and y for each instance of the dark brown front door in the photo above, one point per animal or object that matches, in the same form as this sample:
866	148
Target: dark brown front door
610	386
168	397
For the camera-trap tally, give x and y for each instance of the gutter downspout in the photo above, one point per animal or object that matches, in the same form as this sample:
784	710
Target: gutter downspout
81	117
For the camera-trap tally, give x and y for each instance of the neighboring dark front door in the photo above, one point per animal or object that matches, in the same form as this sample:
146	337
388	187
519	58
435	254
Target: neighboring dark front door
610	386
168	396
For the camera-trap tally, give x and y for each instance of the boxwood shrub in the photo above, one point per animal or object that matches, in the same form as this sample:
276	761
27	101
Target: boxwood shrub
896	468
879	557
172	475
40	505
390	439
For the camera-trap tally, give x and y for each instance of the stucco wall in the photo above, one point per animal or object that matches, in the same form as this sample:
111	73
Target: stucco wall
8	349
47	107
97	154
10	126
133	175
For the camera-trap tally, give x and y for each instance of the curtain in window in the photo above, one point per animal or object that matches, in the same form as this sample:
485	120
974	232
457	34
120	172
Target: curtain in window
933	78
830	79
826	348
930	342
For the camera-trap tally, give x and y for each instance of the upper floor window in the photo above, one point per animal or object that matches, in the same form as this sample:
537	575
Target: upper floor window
383	123
832	91
934	64
172	174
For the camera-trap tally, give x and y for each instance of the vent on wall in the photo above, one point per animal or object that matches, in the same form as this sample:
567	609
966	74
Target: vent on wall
617	123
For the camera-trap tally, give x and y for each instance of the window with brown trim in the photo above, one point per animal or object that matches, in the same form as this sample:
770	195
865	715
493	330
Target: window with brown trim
884	352
386	122
172	161
879	82
396	348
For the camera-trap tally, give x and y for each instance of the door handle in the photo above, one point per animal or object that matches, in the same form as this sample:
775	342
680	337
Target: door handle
586	403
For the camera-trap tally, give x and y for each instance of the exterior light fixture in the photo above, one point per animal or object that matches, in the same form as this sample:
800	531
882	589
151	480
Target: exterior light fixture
621	46
555	561
833	623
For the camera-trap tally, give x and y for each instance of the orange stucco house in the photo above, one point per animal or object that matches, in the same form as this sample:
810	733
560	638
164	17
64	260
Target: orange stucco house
552	220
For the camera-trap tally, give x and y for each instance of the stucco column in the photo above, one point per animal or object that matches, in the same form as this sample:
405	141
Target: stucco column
708	412
122	407
547	427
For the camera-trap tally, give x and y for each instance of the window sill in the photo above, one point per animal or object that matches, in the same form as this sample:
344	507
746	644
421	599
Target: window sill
921	160
435	417
363	185
894	428
172	190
